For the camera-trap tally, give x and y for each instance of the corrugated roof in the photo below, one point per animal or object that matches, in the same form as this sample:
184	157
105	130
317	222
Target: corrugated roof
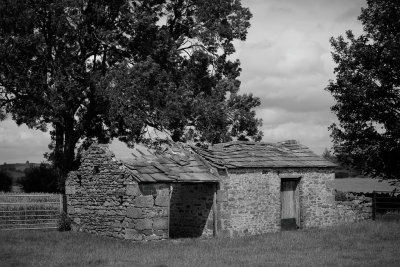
169	167
243	154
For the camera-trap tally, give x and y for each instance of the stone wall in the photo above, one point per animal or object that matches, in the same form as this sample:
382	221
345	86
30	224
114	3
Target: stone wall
191	213
353	208
249	200
104	199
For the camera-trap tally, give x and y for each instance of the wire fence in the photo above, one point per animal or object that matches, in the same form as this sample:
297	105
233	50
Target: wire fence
30	211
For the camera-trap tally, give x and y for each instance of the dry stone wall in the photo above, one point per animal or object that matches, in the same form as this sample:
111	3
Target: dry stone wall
104	199
249	200
353	208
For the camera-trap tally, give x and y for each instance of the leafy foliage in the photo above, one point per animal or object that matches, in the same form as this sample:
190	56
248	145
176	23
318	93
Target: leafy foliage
366	91
44	179
105	69
5	181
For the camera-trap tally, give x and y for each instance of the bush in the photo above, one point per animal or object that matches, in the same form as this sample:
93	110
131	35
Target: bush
42	179
341	174
340	196
5	182
64	223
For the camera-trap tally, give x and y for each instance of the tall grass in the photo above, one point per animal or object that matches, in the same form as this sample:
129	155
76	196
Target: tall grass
365	243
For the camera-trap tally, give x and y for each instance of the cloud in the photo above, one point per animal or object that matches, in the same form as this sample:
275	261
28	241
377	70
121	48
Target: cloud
19	143
314	136
349	15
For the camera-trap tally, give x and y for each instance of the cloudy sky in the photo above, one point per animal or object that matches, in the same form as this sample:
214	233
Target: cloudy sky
286	61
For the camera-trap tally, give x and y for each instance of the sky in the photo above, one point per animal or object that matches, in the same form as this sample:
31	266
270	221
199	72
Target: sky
286	62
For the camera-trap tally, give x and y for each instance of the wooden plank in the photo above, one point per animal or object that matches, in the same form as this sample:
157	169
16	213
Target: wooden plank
215	214
288	199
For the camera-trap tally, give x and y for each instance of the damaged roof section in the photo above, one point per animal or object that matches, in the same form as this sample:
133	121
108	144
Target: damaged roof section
168	167
244	154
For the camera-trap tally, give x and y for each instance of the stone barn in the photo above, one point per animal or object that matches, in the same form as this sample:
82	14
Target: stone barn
230	189
267	187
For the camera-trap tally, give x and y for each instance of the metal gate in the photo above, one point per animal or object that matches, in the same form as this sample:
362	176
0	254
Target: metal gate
386	205
30	211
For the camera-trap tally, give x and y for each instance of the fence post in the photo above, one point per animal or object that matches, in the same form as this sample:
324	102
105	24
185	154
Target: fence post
374	206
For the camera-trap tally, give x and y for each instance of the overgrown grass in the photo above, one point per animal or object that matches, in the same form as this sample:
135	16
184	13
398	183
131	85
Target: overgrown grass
360	244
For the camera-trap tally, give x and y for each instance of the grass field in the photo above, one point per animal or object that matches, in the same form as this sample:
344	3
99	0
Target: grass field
360	244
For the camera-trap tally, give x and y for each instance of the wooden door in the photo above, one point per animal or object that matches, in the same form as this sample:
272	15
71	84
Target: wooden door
289	209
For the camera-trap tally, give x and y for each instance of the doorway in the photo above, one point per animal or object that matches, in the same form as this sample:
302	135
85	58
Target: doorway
290	204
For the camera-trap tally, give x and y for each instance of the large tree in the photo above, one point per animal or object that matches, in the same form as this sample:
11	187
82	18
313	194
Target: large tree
367	92
99	69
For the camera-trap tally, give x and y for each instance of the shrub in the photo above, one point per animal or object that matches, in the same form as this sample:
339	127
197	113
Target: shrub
340	196
5	181
64	223
40	179
341	174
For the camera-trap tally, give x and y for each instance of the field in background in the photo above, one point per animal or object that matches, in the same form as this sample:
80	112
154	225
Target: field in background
367	243
365	185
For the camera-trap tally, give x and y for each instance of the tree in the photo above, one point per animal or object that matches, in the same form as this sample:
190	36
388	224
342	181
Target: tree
43	178
5	181
328	155
366	90
97	69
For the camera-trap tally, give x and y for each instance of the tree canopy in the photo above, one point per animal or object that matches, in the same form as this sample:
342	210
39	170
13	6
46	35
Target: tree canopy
367	92
96	69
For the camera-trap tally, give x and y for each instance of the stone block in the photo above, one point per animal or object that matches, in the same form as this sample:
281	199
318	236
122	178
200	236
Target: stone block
152	237
144	201
132	190
147	232
77	220
161	233
143	224
163	192
70	190
162	201
132	234
135	213
160	223
222	196
70	210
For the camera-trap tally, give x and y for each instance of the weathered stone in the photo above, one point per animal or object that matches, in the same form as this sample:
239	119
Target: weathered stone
152	237
135	213
77	220
162	201
222	196
163	192
132	190
143	224
144	201
70	210
160	223
133	235
70	190
147	232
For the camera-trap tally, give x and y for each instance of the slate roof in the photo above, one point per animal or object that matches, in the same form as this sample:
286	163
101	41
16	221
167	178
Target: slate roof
243	154
169	167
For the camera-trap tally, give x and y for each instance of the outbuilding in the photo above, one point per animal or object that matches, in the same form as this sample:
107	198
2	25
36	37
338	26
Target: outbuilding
230	189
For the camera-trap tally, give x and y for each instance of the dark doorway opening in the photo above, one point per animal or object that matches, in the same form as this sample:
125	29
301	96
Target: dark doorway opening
190	210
